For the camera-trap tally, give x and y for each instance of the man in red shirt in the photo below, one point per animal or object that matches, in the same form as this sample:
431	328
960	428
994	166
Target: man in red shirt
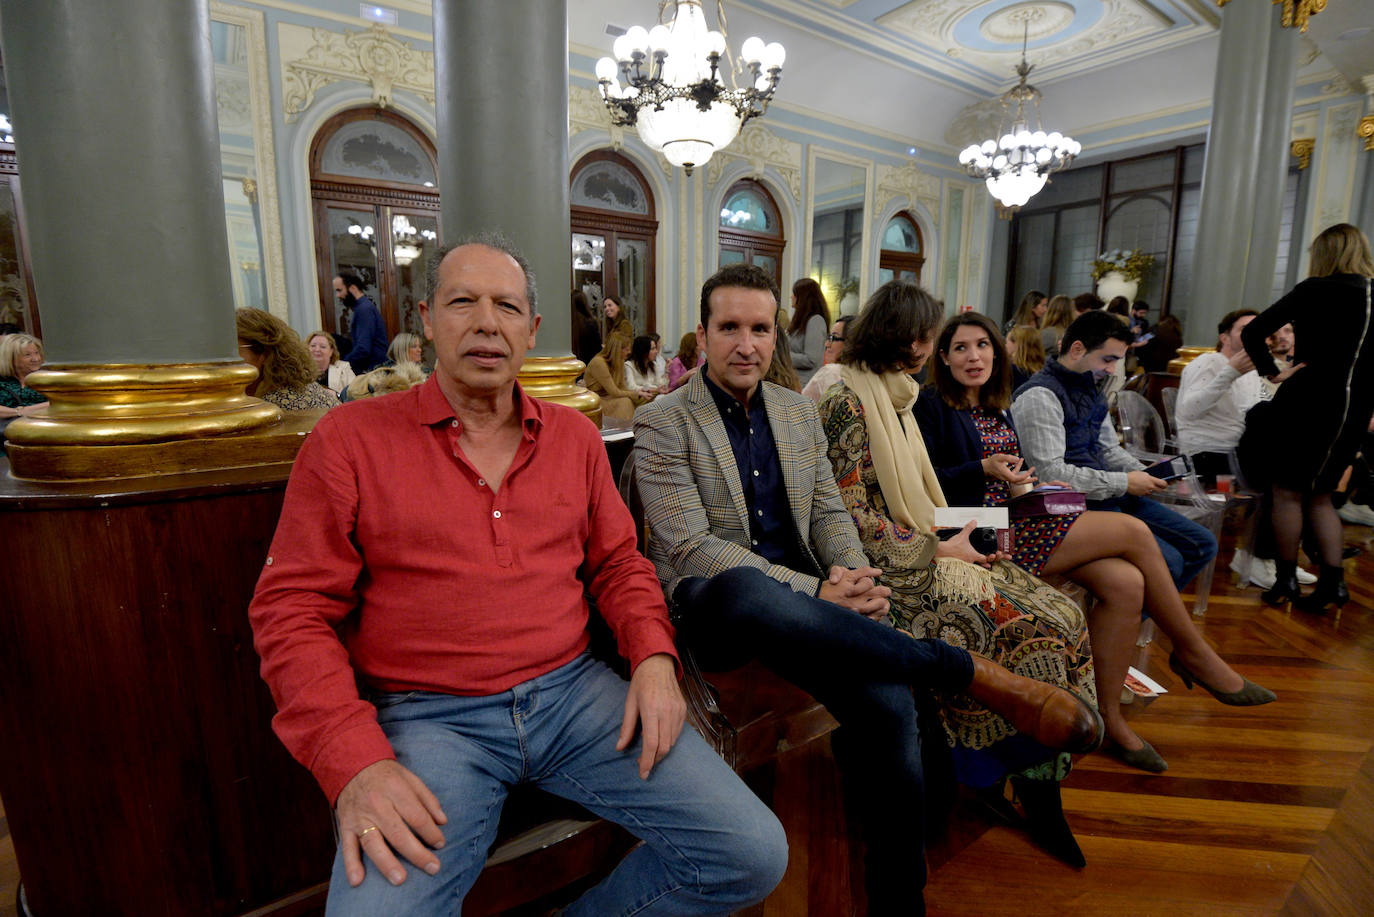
422	626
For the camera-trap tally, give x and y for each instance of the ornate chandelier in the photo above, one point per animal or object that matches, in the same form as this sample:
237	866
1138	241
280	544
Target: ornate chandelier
1017	166
673	92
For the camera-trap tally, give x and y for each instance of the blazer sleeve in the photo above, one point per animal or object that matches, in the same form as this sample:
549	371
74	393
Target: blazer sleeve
676	483
959	471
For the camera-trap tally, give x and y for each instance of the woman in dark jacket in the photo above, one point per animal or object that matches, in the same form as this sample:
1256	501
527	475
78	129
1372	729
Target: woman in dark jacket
977	458
1329	398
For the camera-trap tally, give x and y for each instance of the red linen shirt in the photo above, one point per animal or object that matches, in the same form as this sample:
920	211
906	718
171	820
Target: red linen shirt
395	560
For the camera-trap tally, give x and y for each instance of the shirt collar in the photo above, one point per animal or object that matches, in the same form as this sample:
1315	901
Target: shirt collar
726	401
435	409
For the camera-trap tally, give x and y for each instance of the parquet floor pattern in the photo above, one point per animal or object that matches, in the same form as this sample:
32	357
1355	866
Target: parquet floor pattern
1263	811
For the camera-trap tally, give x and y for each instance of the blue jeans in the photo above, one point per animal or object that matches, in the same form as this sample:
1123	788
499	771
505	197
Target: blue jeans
863	672
1186	546
710	846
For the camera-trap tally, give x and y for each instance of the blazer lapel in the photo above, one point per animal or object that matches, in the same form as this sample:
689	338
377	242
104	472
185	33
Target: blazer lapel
707	415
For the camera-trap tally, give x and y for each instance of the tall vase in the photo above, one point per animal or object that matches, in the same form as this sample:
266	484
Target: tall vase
1113	283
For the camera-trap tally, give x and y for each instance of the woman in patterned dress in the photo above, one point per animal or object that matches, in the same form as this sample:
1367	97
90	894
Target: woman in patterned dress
945	589
977	459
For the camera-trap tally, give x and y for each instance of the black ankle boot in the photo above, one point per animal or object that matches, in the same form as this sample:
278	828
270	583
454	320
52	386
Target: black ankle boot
1045	819
1330	590
1285	584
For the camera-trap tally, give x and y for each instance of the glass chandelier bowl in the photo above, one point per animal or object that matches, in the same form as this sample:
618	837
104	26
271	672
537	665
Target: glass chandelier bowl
673	91
1016	166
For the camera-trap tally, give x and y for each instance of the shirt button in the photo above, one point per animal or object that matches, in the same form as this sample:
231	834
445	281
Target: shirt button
481	483
760	512
455	423
754	542
496	514
756	474
751	431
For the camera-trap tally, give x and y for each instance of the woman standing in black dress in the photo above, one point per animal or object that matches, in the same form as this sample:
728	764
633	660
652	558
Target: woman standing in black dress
1329	399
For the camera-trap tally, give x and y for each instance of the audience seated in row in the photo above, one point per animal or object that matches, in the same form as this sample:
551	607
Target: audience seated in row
286	371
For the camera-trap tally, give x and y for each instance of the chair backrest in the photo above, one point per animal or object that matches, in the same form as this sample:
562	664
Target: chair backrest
1169	398
1142	429
629	492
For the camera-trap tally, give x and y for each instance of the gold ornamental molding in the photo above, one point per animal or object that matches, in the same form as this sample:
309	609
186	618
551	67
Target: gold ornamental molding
555	379
313	58
1187	355
1295	12
1302	151
1366	131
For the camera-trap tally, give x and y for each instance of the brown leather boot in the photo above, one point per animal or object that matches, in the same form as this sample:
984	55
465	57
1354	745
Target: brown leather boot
1052	716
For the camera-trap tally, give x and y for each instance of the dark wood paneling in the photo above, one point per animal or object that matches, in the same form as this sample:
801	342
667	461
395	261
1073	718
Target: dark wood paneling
142	777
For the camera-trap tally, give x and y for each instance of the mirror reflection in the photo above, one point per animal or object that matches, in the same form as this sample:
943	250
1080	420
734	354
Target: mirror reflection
837	232
242	212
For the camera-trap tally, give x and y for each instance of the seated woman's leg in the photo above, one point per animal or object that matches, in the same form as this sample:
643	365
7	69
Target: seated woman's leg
1097	535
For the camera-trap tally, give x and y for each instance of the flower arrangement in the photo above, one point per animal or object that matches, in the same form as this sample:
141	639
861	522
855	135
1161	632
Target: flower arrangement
1133	264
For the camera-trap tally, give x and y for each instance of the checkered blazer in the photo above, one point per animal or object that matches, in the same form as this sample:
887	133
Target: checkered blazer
694	503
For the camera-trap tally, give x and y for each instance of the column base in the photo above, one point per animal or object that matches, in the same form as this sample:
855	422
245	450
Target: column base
555	379
131	420
1185	356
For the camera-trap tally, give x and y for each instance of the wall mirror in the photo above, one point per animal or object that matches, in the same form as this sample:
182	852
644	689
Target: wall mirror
838	223
247	159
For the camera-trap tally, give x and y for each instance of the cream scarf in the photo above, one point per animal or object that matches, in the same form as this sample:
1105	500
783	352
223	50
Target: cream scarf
905	474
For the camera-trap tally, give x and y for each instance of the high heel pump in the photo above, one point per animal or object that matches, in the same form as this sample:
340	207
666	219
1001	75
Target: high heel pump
1045	819
1285	587
1249	695
1330	590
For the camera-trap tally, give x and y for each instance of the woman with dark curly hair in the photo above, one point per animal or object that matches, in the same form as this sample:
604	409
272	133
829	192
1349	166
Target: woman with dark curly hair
286	371
948	589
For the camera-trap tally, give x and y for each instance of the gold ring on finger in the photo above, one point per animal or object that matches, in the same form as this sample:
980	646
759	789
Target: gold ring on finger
364	832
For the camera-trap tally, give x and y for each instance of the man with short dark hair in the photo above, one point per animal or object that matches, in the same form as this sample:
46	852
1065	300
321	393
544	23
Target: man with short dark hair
422	624
1140	318
754	545
1066	435
365	323
1085	302
1214	393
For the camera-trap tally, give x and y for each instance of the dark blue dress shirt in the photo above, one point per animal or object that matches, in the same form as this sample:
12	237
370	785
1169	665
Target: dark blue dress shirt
771	529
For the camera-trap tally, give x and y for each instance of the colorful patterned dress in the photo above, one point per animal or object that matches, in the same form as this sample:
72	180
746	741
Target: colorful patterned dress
1033	539
1021	623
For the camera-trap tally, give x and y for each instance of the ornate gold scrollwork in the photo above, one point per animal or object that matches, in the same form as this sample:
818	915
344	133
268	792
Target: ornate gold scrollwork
1366	130
1295	12
1302	151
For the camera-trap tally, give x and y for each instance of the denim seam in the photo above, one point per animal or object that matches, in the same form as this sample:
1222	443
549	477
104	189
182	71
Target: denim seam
631	817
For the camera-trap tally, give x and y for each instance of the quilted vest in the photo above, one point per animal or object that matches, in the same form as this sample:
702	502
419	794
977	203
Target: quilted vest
1084	411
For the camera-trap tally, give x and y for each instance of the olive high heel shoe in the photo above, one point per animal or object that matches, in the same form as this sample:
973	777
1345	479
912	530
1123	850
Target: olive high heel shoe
1249	695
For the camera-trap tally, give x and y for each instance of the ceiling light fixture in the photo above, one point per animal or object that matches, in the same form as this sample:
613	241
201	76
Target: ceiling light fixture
1016	167
673	90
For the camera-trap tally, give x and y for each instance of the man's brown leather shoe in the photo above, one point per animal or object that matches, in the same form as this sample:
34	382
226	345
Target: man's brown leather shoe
1055	718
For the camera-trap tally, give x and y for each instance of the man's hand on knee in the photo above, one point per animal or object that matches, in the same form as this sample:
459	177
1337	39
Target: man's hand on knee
857	590
380	812
654	703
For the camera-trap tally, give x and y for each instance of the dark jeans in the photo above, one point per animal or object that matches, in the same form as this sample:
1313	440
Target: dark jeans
863	672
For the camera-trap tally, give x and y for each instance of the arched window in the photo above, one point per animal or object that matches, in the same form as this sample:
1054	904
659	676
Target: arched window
751	229
613	230
902	254
374	185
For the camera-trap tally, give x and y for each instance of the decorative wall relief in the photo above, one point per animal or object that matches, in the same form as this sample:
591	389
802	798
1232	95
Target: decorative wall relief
1336	175
975	123
313	58
760	147
587	111
910	182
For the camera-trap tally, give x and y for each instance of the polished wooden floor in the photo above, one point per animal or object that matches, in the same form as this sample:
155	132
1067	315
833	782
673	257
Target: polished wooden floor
1262	811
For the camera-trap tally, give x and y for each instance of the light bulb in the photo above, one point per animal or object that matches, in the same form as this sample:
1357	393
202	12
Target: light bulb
638	39
1008	142
659	37
752	50
989	147
1054	138
621	48
606	70
715	42
773	56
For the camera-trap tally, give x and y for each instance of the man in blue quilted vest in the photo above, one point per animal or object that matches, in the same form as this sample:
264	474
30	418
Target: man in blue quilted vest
1066	435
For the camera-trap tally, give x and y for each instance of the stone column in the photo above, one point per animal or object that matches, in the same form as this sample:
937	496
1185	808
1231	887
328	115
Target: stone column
501	86
1246	161
118	143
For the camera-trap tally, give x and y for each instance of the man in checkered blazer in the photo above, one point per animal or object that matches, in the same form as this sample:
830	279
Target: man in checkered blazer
754	546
